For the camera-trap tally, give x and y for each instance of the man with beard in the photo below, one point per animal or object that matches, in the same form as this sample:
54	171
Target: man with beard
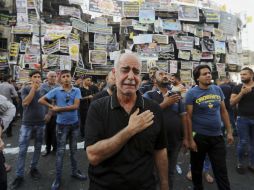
174	119
149	85
108	91
125	137
205	108
87	92
177	85
243	95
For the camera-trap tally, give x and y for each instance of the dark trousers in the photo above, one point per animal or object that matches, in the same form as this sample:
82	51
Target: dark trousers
172	161
83	113
3	175
215	147
50	134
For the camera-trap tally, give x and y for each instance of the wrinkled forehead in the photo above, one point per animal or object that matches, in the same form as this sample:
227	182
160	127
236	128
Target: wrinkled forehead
129	61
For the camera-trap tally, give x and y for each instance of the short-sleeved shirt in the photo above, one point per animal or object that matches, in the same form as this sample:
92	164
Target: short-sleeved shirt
246	104
100	94
33	114
84	103
132	166
45	88
171	117
206	117
63	99
226	89
8	91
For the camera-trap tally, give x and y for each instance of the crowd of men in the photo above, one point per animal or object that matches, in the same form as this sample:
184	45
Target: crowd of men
134	129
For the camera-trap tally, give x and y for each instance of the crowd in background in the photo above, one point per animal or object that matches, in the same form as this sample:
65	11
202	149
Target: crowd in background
173	102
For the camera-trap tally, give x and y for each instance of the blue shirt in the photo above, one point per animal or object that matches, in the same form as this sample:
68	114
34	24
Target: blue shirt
63	99
206	117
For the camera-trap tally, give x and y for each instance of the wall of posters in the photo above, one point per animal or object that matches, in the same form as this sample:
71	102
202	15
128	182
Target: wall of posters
51	60
141	27
71	11
191	28
79	24
173	66
184	42
79	72
23	42
144	68
170	24
187	1
52	47
186	75
130	9
162	65
101	21
22	29
160	39
220	47
65	62
95	28
158	26
196	55
212	16
207	55
33	49
184	55
228	23
54	32
220	67
107	7
100	39
146	16
74	52
188	13
97	57
14	49
232	59
22	15
187	65
143	38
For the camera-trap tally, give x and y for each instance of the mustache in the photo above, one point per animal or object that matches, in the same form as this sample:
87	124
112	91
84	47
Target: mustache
129	82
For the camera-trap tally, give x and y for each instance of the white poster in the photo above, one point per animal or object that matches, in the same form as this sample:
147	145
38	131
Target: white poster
71	11
143	38
173	66
65	62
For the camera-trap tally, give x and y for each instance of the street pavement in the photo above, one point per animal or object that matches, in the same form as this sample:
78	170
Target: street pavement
47	168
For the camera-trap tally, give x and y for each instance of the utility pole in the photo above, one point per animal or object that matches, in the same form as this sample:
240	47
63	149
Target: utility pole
39	23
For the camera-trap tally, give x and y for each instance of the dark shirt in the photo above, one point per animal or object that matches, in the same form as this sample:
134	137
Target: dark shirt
34	113
100	94
226	89
146	87
171	118
132	167
84	103
246	104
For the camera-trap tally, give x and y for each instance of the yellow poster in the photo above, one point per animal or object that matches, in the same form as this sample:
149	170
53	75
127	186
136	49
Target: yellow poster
74	52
